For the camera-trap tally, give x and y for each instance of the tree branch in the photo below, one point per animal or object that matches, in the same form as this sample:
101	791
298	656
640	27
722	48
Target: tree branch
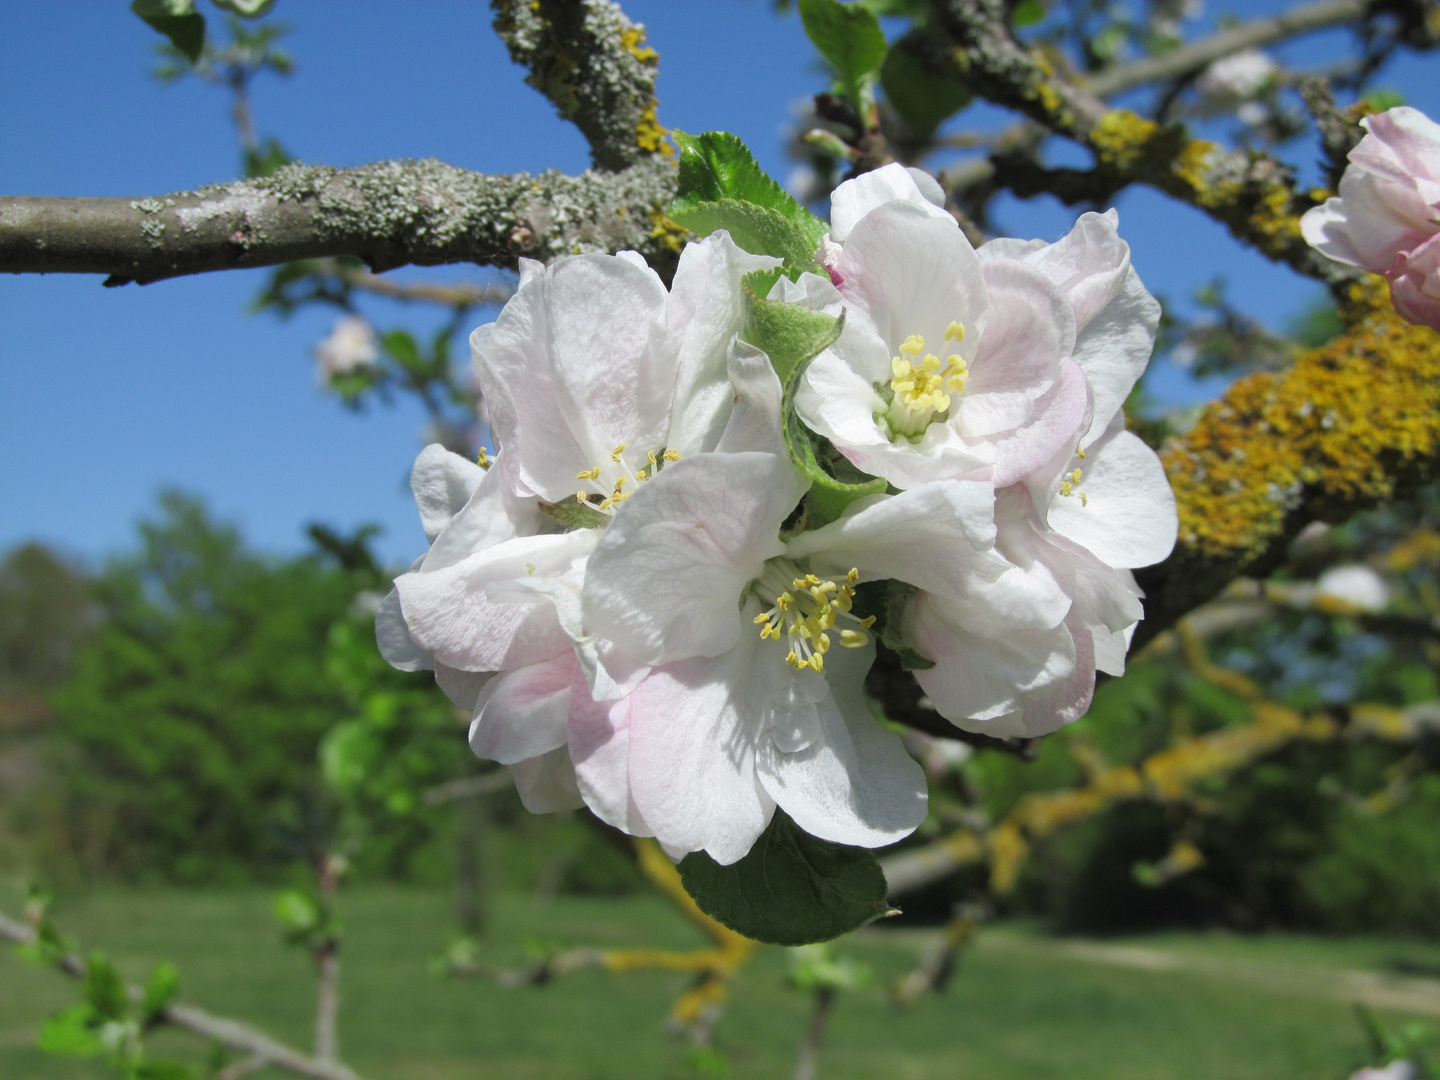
592	63
233	1035
390	213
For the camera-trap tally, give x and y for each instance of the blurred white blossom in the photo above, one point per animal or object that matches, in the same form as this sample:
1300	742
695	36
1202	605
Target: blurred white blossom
1353	586
352	344
1396	1070
1239	76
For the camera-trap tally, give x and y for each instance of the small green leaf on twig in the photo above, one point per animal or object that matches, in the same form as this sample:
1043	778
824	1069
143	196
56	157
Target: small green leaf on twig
849	36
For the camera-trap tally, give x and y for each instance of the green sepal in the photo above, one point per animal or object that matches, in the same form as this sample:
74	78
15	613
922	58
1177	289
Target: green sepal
572	515
849	36
924	100
791	889
104	988
790	334
177	20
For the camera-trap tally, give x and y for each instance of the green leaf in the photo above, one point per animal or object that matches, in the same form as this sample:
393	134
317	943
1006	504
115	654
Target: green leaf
177	20
71	1032
757	229
104	988
1028	13
401	345
348	754
297	913
849	36
791	889
716	166
246	9
923	99
161	988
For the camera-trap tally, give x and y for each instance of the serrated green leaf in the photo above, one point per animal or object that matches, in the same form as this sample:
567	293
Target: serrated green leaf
924	100
71	1032
717	165
161	988
246	9
104	988
757	229
849	36
177	20
1028	13
791	889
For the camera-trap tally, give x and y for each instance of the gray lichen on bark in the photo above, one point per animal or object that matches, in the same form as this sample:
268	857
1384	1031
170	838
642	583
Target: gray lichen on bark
389	213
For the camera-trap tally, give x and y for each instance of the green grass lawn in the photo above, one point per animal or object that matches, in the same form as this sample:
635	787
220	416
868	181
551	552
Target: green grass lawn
1021	1008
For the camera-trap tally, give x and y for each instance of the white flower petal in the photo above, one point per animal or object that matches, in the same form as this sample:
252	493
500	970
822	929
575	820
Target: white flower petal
523	712
1088	264
443	483
665	581
493	514
854	783
1128	516
547	783
599	747
393	637
463	688
1055	706
1114	348
855	198
754	422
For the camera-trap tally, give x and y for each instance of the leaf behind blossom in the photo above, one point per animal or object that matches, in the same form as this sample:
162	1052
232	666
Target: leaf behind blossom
791	889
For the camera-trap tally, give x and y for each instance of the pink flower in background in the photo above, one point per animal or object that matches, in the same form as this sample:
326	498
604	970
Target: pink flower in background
1387	216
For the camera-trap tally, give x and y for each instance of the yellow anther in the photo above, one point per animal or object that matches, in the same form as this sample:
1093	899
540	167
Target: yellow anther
792	658
783	601
620	483
762	618
955	332
589	474
853	639
811	579
899	367
867	622
1083	500
822	643
817	663
615	454
652	457
1080	453
483	460
607	504
912	345
853	576
672	455
1075	477
931	362
1066	487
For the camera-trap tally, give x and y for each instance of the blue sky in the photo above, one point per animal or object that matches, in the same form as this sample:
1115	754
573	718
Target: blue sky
107	395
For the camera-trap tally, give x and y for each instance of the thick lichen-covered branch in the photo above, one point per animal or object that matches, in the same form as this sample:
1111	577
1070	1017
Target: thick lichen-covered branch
592	63
390	213
1351	424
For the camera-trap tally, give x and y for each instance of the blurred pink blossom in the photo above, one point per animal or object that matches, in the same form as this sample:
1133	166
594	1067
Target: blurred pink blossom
1387	216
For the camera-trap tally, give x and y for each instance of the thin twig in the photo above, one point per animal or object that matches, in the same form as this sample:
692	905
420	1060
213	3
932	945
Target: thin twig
232	1034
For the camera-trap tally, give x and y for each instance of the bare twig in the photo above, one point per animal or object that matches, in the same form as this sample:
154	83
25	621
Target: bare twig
466	787
232	1034
814	1033
389	214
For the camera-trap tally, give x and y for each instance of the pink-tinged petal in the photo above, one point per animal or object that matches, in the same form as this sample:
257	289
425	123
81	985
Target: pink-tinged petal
1127	517
448	613
704	313
1051	709
443	482
939	537
978	679
573	366
1058	420
1110	650
599	747
1402	144
1372	221
839	403
523	712
853	783
1114	349
913	273
693	733
1088	265
853	199
393	637
1029	329
666	579
546	783
1415	284
493	514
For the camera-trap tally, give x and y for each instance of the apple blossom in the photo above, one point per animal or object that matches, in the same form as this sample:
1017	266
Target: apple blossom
1353	587
1239	76
351	344
1387	215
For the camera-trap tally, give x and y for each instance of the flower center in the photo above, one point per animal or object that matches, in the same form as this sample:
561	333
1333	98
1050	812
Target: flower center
608	480
1069	481
806	610
920	383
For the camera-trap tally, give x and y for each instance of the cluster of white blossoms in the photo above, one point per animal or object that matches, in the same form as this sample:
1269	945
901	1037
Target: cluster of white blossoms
634	599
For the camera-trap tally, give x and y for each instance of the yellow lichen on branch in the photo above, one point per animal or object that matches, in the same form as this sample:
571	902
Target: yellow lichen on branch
1338	430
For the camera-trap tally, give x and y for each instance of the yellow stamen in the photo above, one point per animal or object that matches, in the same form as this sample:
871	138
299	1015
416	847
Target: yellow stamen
912	344
672	455
589	474
581	497
483	460
615	454
955	332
